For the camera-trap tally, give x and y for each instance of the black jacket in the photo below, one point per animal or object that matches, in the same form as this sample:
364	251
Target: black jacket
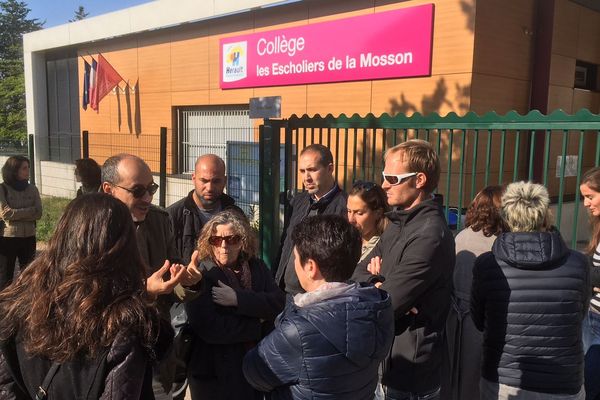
417	252
529	297
330	349
187	223
223	335
121	372
299	208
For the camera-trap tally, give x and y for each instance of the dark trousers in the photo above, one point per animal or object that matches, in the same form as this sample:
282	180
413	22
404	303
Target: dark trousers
12	249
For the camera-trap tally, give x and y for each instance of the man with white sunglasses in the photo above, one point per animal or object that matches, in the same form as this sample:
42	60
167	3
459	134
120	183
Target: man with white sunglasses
413	262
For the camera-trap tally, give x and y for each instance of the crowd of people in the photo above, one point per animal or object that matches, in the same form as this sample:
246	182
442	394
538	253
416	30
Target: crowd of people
371	296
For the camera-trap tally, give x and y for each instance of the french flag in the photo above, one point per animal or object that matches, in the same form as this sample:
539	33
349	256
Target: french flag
93	93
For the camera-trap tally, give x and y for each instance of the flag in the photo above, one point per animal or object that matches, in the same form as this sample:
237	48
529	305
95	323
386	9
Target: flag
106	79
86	84
92	87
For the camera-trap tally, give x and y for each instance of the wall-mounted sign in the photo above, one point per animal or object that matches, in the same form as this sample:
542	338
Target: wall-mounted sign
390	44
265	107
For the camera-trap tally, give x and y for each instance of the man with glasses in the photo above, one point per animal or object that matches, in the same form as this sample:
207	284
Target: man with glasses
322	195
129	179
413	262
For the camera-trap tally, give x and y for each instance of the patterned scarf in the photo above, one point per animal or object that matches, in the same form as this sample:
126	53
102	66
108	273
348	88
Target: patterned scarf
239	276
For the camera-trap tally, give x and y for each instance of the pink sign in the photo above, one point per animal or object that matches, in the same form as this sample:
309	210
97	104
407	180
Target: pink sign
390	44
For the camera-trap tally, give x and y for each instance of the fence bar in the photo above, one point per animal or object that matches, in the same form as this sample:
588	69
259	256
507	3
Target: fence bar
460	179
354	148
85	144
364	156
337	152
597	149
474	167
31	151
516	163
532	135
577	196
345	158
563	165
373	154
162	197
502	146
449	173
439	141
546	155
488	157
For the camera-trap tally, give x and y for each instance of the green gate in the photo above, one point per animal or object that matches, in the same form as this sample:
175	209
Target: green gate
475	151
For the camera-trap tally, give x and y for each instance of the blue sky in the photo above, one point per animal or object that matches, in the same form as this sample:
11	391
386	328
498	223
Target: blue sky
59	12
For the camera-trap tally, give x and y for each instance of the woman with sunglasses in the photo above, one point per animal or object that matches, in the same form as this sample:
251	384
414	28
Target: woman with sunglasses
240	300
367	205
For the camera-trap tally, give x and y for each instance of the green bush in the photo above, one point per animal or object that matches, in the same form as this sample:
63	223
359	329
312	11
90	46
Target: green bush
53	208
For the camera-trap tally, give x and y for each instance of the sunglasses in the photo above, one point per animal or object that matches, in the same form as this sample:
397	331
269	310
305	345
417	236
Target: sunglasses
138	191
363	185
231	239
394	180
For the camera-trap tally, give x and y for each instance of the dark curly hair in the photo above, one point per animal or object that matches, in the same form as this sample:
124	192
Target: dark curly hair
85	290
89	172
592	179
484	212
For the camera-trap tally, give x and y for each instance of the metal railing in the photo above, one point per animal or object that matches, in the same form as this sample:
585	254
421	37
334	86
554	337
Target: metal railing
475	151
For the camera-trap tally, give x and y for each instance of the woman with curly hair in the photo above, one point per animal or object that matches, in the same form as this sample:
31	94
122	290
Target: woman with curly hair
483	223
239	302
79	313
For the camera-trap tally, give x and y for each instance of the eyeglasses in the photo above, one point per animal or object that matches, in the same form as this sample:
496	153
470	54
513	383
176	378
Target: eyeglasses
394	180
363	185
231	239
139	191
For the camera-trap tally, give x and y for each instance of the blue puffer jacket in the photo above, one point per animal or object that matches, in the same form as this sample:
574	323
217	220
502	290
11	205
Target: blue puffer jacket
330	349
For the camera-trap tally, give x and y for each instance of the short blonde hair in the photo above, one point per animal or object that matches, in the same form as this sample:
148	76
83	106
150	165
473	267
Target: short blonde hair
421	157
525	207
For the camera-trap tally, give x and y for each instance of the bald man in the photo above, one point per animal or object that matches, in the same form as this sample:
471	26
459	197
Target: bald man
207	199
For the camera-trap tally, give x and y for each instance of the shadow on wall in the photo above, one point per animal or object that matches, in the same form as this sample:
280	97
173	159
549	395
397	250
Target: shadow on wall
134	122
435	101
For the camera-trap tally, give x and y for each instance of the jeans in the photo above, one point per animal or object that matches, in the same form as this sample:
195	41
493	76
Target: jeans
591	346
387	393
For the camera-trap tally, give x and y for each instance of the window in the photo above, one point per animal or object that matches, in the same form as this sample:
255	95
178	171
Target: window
586	76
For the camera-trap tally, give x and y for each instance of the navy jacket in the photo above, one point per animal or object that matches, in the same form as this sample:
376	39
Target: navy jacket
529	297
326	350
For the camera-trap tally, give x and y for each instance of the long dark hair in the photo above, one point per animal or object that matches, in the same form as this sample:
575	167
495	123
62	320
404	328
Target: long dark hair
87	288
11	167
89	172
592	179
375	198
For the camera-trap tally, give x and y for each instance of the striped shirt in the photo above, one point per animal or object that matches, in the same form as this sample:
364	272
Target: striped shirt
595	302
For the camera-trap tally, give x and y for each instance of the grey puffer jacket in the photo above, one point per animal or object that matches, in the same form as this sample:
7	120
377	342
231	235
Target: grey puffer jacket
529	297
23	209
121	372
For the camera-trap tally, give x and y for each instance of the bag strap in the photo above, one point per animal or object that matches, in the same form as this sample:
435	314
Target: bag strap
43	388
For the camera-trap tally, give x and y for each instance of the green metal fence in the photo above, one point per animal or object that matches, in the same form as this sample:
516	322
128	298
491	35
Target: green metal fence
475	151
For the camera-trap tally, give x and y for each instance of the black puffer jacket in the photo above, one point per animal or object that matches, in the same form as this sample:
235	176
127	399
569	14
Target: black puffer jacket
529	297
121	372
187	223
330	349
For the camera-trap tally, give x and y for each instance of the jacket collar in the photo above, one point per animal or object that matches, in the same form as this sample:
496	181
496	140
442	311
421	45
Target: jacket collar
530	250
402	217
325	200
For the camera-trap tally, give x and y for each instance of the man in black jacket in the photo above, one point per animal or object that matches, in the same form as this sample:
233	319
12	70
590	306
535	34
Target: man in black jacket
413	262
322	196
189	214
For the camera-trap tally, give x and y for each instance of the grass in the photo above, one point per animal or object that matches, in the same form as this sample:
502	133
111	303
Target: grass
53	208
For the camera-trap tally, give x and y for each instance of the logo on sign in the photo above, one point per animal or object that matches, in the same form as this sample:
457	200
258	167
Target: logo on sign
235	63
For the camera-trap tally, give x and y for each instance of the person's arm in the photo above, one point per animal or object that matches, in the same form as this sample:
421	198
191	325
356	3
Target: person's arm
416	269
361	273
219	325
277	359
264	304
477	292
32	213
127	362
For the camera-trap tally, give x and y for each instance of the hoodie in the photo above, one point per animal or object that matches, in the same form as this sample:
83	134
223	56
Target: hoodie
328	348
529	297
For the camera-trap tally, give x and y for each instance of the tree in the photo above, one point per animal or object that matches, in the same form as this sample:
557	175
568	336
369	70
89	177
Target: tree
13	24
79	14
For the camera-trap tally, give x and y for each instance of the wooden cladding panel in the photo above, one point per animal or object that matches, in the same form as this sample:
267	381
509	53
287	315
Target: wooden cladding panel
566	28
588	45
560	97
562	70
500	94
189	65
154	68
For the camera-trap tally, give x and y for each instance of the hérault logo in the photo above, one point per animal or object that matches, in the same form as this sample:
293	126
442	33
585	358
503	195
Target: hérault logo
235	62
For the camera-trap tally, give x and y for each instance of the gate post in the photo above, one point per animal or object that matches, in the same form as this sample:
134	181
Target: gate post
31	151
85	145
269	190
162	194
